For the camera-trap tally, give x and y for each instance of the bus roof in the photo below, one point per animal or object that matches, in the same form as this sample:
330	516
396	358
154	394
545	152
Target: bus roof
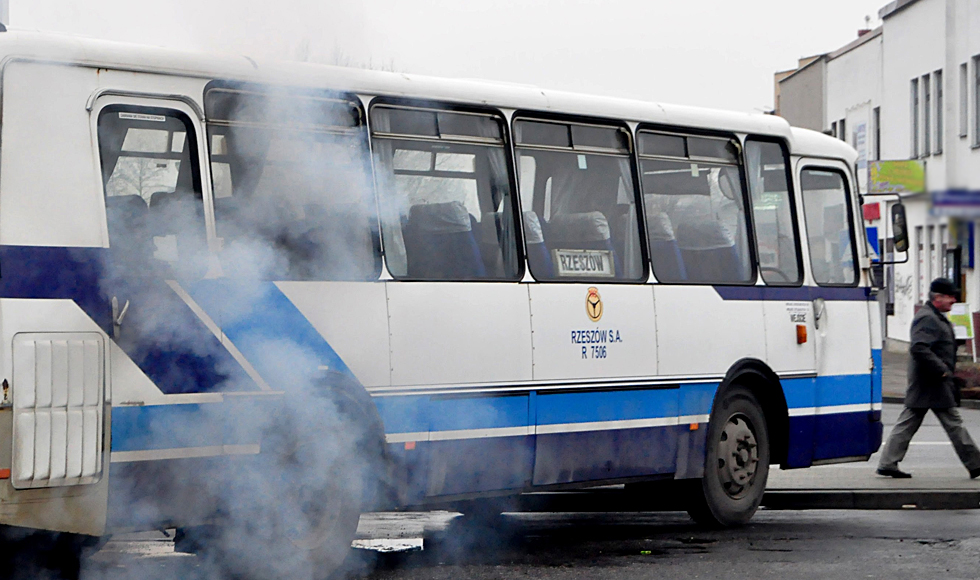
107	54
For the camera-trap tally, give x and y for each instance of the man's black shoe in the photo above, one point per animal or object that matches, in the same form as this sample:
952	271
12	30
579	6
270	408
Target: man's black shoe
975	473
899	474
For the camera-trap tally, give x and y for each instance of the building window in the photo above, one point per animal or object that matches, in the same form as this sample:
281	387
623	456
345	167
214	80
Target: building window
843	130
876	121
976	100
920	285
926	115
914	101
833	129
938	76
964	101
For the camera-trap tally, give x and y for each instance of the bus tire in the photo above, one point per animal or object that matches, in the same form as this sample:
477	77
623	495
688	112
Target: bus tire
736	464
300	519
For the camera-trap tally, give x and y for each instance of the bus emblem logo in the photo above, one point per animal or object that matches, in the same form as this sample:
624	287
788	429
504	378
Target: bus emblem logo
593	304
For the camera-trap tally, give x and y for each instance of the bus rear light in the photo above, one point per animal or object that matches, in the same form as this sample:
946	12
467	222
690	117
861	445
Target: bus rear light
4	474
694	426
800	333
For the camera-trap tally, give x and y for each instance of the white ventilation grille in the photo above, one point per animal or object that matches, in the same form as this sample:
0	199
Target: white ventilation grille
58	400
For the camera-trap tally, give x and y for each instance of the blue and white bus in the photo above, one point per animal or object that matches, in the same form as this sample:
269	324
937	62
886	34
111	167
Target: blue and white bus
265	297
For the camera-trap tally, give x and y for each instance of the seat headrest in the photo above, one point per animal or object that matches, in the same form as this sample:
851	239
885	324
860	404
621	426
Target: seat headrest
580	227
703	235
532	228
441	218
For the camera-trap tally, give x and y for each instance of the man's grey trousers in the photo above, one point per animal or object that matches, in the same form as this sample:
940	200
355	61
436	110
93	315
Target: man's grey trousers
909	422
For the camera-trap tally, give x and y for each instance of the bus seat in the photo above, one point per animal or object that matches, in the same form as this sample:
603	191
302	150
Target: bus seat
708	252
487	232
582	231
537	251
439	243
668	265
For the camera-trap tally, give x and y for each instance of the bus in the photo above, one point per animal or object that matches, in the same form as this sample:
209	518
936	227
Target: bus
251	300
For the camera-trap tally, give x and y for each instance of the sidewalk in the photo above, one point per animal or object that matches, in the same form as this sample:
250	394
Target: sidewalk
895	362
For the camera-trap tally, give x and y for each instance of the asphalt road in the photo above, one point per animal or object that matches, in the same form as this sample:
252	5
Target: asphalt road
778	543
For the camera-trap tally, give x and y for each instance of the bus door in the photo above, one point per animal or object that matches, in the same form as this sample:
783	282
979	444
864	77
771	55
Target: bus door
151	158
843	387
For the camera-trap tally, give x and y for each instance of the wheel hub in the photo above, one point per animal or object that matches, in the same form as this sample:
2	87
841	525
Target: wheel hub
738	456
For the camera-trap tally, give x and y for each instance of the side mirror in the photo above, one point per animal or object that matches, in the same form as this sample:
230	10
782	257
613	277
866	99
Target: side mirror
900	232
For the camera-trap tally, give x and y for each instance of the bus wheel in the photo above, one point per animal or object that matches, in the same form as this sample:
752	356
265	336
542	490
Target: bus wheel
736	463
320	467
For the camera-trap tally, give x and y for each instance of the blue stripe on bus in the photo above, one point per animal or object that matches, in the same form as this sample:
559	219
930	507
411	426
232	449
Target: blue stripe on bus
422	414
801	293
827	391
269	330
57	273
589	407
484	412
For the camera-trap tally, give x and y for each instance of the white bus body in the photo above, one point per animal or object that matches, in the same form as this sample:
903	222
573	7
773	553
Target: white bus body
572	353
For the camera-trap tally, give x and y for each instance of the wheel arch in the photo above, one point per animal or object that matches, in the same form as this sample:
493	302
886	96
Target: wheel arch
764	384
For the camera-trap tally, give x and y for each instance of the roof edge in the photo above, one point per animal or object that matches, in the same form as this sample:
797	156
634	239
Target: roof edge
867	37
895	6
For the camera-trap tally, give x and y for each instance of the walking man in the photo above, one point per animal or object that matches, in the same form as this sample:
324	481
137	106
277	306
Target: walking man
930	380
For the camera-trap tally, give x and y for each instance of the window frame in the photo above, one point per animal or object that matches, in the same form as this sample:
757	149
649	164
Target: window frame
793	196
630	154
976	100
940	97
743	179
914	111
348	98
926	115
850	220
437	106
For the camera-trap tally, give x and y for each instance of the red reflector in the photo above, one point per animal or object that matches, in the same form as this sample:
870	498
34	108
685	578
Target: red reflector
800	333
4	474
409	445
694	427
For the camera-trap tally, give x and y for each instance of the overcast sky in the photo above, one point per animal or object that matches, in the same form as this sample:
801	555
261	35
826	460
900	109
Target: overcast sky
700	52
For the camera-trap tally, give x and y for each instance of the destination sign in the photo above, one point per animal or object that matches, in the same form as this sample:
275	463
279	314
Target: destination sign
584	263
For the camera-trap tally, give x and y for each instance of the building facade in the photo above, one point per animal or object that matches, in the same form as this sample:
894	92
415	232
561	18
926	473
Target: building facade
908	90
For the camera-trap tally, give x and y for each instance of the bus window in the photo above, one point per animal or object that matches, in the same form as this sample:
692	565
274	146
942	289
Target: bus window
828	226
582	201
154	205
695	209
292	194
446	194
772	213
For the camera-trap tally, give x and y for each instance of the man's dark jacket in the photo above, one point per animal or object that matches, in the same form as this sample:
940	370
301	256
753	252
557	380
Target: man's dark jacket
933	350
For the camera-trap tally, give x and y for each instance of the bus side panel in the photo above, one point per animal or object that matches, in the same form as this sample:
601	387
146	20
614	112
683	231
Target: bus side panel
700	333
605	435
49	181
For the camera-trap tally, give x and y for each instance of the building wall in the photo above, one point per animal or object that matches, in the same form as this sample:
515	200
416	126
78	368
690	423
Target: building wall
920	38
801	96
852	95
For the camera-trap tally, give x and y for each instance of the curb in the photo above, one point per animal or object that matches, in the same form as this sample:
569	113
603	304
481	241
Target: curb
659	499
965	403
871	500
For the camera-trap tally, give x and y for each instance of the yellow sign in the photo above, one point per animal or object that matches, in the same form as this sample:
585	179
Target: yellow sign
593	304
962	321
901	176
